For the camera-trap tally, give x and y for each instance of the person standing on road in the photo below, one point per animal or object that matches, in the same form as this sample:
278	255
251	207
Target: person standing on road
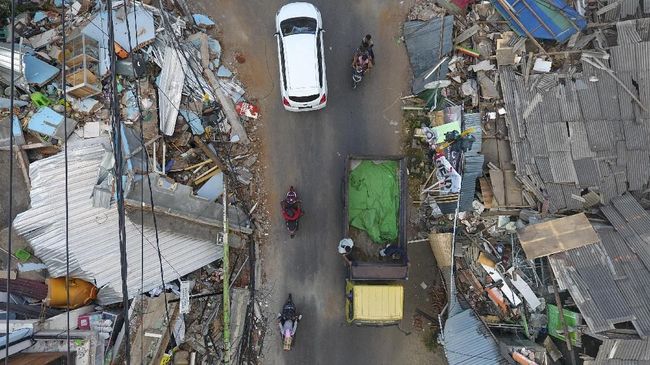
366	45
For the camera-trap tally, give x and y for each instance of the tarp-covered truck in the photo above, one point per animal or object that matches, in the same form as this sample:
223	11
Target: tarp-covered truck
375	212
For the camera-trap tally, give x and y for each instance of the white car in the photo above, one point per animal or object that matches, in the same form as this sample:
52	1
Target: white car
299	32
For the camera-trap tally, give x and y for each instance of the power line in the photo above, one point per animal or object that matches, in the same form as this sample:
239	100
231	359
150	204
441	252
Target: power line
144	153
65	157
117	135
151	201
12	85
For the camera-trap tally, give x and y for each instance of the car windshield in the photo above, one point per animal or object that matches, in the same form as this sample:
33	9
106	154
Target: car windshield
298	26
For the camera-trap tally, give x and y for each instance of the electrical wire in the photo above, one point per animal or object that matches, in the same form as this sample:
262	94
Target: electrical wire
12	85
146	159
178	49
65	158
119	163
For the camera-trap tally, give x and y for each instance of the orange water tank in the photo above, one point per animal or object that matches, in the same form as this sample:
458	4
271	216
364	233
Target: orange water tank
81	293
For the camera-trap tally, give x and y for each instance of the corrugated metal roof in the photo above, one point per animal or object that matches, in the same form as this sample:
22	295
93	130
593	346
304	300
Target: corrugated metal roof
626	32
628	7
614	352
584	272
600	134
172	81
93	232
427	43
568	99
604	126
569	192
562	167
544	169
579	141
638	169
467	341
557	137
587	172
473	120
555	196
588	97
624	57
613	276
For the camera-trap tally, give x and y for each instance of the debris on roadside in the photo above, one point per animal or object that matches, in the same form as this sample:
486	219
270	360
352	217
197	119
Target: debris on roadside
184	122
528	160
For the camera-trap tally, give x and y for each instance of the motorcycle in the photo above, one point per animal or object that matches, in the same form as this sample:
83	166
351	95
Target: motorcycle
291	211
288	322
357	76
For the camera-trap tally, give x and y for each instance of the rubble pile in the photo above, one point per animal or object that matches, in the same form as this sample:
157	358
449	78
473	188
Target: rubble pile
528	159
186	129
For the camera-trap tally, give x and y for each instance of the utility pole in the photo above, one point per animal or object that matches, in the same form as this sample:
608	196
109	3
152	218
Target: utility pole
226	283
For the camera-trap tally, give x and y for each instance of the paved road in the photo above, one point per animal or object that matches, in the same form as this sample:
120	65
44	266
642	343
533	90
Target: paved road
307	150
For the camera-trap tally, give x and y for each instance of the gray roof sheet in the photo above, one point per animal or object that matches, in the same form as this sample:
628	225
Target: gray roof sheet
621	352
589	115
610	280
467	341
427	43
562	167
93	232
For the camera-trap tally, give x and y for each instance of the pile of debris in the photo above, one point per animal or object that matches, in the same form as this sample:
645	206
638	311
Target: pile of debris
528	153
183	130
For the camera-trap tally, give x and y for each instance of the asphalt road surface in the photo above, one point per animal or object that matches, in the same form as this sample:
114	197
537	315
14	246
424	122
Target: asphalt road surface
308	150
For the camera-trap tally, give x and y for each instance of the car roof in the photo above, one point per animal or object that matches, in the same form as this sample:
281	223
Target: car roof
301	64
297	10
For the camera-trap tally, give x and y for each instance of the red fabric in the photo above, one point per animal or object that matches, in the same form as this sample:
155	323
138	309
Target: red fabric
296	214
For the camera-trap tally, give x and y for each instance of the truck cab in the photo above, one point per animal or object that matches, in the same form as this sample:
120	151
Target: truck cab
373	304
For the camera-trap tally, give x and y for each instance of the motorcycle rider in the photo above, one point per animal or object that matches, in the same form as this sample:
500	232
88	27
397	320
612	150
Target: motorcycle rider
288	326
362	59
288	322
291	209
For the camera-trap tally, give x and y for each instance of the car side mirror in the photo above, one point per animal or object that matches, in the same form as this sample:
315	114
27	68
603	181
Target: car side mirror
322	30
276	34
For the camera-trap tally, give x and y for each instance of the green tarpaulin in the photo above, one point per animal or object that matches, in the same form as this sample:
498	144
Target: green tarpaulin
555	328
373	195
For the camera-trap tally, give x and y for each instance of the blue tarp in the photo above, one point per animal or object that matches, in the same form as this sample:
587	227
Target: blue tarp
544	19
